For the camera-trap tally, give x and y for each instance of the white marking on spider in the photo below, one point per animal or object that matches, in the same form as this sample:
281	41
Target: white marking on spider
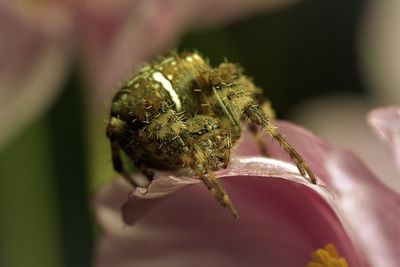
159	77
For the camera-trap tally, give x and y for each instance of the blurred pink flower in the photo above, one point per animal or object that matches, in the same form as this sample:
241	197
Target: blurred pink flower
283	218
40	40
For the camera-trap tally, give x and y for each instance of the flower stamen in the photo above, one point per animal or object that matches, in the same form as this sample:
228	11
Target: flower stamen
327	257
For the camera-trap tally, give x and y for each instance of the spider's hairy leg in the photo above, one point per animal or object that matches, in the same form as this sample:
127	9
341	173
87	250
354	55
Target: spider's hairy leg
115	127
258	137
258	117
270	113
216	189
211	181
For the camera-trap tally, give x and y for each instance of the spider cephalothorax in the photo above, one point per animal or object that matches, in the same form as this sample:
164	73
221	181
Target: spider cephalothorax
179	112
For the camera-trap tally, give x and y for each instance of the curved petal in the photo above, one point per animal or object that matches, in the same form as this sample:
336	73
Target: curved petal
33	59
312	148
167	183
368	208
282	221
386	124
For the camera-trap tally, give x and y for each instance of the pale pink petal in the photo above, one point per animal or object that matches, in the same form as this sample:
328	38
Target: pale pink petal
311	147
98	23
33	58
386	123
369	209
281	222
173	212
167	183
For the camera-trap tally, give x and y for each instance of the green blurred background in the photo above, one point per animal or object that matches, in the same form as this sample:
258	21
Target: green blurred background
49	171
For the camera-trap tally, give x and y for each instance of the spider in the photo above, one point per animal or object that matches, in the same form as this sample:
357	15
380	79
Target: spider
179	112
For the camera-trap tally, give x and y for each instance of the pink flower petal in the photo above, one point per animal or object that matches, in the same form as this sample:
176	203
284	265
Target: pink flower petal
310	147
386	124
369	209
33	60
98	24
166	183
187	226
281	222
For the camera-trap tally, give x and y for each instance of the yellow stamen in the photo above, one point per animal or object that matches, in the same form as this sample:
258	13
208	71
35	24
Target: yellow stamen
327	257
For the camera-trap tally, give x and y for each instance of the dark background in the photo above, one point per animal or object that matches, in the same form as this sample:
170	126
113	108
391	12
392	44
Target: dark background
304	51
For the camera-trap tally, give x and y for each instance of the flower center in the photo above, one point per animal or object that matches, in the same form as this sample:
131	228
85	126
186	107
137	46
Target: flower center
327	257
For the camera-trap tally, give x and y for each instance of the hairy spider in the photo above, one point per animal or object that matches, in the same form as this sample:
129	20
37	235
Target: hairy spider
179	112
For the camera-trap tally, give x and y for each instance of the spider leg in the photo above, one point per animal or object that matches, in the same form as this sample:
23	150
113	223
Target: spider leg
199	166
257	136
213	185
258	117
117	163
114	127
216	189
